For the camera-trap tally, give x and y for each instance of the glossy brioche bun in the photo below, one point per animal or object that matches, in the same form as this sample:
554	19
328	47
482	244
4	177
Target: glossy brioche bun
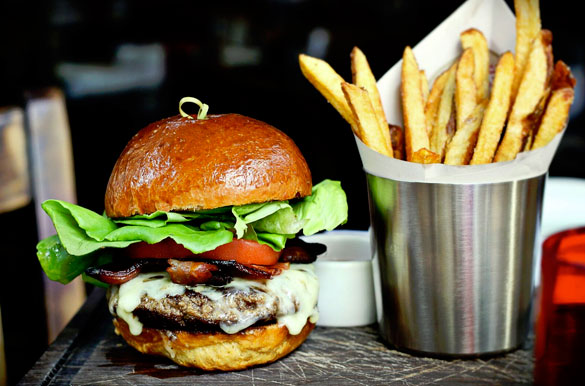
188	164
216	351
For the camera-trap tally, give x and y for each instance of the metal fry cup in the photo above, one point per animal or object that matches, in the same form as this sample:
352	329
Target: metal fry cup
456	263
455	244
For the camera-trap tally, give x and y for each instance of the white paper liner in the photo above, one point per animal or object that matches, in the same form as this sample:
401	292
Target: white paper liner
526	165
434	54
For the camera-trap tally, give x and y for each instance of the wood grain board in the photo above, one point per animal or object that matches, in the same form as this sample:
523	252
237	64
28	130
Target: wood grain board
88	353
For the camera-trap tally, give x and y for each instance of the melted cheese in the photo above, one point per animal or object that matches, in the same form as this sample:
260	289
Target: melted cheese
295	292
155	285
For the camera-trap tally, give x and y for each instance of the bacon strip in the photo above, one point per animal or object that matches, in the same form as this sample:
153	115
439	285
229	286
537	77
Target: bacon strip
296	255
213	272
233	268
193	272
116	272
299	251
272	270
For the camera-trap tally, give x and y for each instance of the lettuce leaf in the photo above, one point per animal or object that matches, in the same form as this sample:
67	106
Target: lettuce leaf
250	213
273	240
83	236
276	241
195	240
58	264
80	230
154	220
325	209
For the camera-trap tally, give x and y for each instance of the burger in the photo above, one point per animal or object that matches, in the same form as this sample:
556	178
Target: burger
198	244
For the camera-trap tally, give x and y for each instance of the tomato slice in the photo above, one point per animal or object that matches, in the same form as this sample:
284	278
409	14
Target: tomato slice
245	252
166	249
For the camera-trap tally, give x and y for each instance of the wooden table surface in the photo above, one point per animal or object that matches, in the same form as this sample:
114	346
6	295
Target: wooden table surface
88	352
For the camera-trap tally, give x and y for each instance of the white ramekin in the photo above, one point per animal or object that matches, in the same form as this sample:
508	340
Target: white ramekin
346	290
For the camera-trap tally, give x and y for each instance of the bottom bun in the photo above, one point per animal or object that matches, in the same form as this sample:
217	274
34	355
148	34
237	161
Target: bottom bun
216	351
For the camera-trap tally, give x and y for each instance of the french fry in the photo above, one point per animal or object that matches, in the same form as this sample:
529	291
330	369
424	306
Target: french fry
496	111
415	132
555	116
562	76
530	92
362	76
556	111
397	136
533	120
365	117
434	100
459	120
527	29
424	86
528	143
328	82
474	39
465	90
443	126
460	149
425	156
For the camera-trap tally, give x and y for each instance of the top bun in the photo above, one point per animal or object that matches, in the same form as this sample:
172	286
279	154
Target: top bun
185	164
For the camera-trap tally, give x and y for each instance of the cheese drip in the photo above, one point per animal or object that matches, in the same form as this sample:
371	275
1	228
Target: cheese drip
295	291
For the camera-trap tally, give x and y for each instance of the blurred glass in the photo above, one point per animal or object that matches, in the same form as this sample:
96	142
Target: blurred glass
560	330
23	335
52	174
14	178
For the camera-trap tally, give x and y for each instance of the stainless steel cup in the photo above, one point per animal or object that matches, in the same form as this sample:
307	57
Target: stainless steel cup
456	263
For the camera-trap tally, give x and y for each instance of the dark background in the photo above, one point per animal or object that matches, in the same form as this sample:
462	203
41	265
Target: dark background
193	38
236	56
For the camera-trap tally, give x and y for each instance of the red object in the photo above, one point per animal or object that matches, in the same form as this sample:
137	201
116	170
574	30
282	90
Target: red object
560	330
190	272
243	251
166	249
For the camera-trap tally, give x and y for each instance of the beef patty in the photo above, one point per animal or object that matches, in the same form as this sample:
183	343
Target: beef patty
206	309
